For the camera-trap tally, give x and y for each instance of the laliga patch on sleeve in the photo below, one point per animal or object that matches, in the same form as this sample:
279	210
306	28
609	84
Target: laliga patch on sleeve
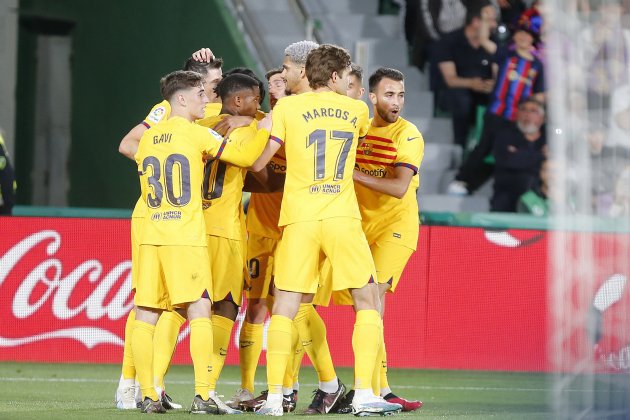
156	115
216	135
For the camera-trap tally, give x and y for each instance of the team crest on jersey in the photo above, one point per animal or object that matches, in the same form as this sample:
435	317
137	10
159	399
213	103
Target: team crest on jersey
367	148
157	114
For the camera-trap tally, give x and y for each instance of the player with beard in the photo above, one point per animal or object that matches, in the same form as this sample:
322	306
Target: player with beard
386	180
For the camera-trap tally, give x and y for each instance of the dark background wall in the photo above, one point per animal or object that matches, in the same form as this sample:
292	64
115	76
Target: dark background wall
120	49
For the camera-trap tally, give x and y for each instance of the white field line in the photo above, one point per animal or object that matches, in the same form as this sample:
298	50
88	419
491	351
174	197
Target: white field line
234	383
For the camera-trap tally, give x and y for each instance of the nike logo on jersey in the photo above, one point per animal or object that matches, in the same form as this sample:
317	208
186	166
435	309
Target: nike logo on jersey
244	344
412	138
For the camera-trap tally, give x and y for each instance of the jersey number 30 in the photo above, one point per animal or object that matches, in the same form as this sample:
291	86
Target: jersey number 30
174	164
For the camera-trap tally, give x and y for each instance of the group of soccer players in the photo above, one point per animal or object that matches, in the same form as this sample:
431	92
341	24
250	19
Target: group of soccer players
333	212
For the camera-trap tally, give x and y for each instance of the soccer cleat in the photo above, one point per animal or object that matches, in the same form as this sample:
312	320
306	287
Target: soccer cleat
255	403
201	406
126	396
267	409
167	401
289	402
240	396
324	402
152	407
223	407
345	404
375	406
406	404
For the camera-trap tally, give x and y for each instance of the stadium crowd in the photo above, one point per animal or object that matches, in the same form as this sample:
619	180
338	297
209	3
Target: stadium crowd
487	57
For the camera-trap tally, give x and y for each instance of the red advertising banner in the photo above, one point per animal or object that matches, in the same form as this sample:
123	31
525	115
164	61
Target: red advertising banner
469	299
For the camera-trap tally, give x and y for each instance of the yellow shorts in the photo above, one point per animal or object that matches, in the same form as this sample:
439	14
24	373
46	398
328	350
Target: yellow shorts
136	228
304	246
226	264
260	259
324	289
171	276
390	260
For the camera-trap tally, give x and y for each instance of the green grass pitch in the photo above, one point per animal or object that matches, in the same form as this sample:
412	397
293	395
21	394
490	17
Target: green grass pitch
81	391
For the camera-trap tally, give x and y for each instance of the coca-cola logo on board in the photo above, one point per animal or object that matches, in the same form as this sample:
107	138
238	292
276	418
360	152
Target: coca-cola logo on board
39	284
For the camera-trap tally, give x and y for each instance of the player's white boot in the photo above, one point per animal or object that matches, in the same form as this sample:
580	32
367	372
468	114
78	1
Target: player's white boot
126	394
272	406
373	406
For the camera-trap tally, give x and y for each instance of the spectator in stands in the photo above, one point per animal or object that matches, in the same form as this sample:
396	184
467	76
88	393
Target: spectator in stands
606	48
519	150
7	181
511	10
520	74
537	199
464	58
435	18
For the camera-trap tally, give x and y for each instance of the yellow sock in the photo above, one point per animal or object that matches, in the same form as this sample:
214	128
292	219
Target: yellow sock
378	364
142	347
278	351
164	342
298	355
287	382
365	344
383	368
128	367
312	332
201	354
221	330
249	349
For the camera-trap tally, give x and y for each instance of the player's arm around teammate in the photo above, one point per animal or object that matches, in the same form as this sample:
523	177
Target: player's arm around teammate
210	69
170	322
172	269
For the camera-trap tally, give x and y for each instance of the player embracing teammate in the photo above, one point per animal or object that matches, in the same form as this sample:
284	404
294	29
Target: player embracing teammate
334	154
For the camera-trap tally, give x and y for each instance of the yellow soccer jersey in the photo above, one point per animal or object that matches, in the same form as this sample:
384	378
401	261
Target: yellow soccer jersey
223	185
264	208
212	109
383	149
320	132
161	112
170	166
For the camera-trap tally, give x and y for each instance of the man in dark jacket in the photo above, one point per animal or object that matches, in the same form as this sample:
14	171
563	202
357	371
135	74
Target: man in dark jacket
519	150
